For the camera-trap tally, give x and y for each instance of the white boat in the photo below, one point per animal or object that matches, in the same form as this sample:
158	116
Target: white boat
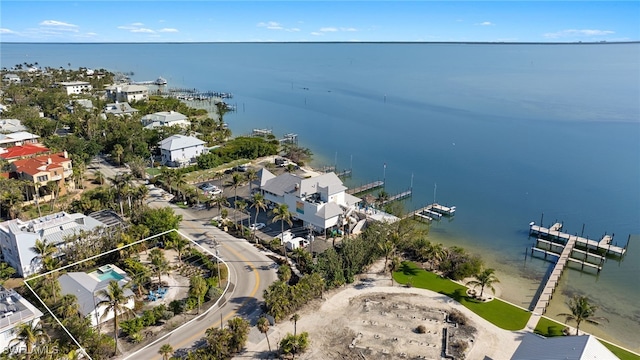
160	81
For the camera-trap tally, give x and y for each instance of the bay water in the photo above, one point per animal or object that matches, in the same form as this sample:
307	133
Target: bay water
508	133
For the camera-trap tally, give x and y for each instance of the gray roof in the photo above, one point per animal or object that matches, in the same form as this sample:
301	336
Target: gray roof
329	210
327	180
11	126
534	347
87	289
18	136
176	142
164	116
108	217
264	175
119	108
54	227
282	184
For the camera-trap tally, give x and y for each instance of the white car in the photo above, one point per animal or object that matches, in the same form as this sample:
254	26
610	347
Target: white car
256	226
216	191
208	187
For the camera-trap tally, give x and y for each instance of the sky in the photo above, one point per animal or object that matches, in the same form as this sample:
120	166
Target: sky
329	20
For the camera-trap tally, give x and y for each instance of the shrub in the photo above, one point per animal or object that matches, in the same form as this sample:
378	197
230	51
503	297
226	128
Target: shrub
421	329
457	317
176	306
213	293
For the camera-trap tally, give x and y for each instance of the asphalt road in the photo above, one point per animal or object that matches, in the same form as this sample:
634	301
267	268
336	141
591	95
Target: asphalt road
250	273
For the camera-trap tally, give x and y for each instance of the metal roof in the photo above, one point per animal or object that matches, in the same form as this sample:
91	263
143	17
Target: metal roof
176	142
535	347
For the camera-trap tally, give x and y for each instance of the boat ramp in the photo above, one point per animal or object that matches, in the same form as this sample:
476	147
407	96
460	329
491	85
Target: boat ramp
554	242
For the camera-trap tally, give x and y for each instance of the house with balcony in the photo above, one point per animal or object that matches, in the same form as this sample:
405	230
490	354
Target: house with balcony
17	139
180	150
321	202
40	170
14	311
17	238
88	288
165	118
76	87
127	93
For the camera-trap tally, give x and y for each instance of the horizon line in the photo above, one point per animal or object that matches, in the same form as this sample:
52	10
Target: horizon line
602	42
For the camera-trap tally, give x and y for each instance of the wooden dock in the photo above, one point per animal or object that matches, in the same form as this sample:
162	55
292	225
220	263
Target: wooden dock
399	196
344	173
554	239
432	212
365	187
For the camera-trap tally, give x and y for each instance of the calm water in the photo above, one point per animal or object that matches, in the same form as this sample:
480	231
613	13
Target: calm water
507	132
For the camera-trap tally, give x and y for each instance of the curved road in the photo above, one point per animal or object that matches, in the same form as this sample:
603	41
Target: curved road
250	273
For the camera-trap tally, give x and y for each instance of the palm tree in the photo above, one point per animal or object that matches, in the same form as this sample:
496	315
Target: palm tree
114	301
159	262
198	288
295	317
53	187
252	176
235	182
382	198
484	279
582	310
98	177
31	334
44	250
281	213
387	248
165	351
219	201
263	327
242	206
258	203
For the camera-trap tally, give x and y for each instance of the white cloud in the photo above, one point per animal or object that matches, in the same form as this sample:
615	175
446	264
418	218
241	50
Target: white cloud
349	29
142	30
6	31
168	30
55	26
137	24
293	30
316	33
486	23
328	29
271	25
576	32
57	23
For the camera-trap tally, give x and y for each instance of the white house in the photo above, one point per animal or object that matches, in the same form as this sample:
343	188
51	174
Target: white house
535	347
76	87
119	109
127	93
178	150
11	78
11	126
15	310
87	287
320	201
164	118
17	237
17	139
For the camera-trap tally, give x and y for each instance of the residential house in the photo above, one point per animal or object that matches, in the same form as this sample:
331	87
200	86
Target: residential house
23	151
11	78
11	126
76	87
18	237
535	347
87	287
127	93
40	170
179	150
319	201
17	139
14	311
119	109
165	118
80	103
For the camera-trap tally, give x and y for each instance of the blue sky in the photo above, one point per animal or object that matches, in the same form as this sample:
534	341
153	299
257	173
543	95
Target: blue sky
233	21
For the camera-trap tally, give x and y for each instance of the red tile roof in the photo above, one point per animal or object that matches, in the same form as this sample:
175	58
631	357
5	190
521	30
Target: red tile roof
23	151
39	164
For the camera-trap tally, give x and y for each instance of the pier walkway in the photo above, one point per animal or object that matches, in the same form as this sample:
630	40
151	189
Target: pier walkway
569	242
399	196
365	187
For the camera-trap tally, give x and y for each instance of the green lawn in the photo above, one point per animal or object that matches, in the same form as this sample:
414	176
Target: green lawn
153	171
497	312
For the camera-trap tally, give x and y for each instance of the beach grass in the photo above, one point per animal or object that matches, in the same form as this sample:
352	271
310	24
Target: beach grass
621	353
497	312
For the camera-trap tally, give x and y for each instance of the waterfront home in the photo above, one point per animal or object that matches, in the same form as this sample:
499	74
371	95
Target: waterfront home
14	311
40	170
75	87
87	288
180	150
17	238
321	202
534	347
127	93
165	118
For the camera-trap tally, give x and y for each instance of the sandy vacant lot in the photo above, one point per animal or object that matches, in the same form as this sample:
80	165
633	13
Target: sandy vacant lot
374	320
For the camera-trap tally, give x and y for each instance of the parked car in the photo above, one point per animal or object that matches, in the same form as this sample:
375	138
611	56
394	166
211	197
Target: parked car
216	191
208	187
256	226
